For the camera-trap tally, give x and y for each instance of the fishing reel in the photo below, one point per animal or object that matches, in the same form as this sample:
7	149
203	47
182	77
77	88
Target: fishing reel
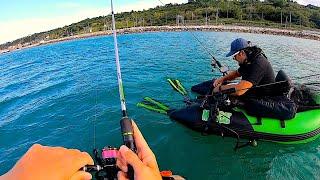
105	168
216	64
219	99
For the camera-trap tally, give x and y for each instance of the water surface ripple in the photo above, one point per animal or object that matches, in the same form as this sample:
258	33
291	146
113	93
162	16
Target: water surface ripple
55	94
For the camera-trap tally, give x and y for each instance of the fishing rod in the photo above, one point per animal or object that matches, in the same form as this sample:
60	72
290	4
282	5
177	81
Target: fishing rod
233	90
106	167
176	84
126	123
214	62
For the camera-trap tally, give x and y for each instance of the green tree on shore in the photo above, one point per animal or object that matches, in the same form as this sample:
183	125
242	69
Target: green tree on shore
268	13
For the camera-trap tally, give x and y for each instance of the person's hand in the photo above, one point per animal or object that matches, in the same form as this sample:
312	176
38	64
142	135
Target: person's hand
216	89
144	162
218	82
42	162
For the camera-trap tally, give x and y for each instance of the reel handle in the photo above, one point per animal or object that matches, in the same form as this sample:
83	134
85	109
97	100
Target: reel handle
91	168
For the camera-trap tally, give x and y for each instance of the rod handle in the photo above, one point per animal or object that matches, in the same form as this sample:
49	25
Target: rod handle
127	133
128	140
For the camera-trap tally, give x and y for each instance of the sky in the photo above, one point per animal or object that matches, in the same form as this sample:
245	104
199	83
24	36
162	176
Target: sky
21	18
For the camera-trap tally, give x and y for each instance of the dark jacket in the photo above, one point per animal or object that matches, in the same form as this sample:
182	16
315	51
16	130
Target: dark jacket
256	70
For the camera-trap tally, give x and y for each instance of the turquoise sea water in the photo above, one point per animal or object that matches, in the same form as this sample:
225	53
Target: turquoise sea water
55	95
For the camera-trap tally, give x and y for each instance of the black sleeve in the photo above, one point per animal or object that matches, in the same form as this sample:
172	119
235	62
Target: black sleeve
240	70
254	73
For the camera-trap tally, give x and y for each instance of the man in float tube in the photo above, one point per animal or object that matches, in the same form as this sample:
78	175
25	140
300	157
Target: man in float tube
254	70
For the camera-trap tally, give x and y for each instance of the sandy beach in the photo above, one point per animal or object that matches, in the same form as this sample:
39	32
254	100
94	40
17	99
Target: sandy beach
313	35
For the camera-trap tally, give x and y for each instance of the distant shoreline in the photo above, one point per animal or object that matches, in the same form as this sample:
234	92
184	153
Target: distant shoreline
312	35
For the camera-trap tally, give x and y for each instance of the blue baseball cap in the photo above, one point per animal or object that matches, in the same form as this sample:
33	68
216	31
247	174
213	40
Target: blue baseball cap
237	45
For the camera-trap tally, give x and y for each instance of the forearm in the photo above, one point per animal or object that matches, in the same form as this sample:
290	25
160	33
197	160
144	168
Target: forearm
9	176
231	76
239	88
226	87
4	176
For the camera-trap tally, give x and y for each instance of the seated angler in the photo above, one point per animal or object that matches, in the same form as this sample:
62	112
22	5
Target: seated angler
261	93
254	70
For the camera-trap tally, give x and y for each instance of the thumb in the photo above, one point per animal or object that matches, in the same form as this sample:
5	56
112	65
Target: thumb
131	158
122	176
81	175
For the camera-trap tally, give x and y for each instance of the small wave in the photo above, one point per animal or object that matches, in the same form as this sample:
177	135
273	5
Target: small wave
16	106
283	166
19	67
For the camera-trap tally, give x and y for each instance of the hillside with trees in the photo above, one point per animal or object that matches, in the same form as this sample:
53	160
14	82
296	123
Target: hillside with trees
282	14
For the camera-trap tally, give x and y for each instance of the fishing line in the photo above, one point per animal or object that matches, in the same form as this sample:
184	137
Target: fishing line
306	76
312	83
200	42
95	119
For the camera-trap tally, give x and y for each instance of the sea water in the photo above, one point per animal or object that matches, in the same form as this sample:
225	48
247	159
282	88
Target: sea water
66	94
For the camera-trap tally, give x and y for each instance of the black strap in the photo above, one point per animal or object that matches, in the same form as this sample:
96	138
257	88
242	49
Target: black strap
167	178
243	144
283	125
259	121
